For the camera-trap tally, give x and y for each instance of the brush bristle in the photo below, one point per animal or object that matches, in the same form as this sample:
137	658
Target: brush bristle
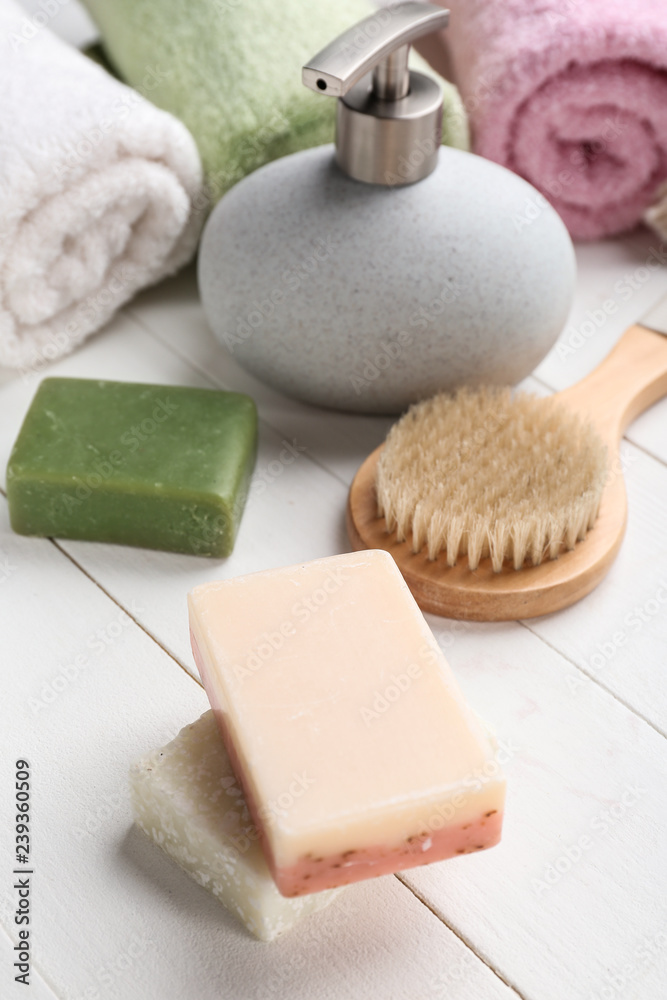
487	474
656	215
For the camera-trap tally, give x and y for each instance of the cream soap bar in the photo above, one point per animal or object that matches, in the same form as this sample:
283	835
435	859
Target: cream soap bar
185	797
356	750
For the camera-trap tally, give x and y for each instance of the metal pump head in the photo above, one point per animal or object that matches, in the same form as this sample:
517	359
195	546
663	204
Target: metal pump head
389	118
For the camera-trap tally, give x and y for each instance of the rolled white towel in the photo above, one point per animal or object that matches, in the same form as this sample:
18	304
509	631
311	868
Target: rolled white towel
101	193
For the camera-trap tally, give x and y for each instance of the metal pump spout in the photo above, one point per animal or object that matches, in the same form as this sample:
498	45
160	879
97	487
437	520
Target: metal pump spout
389	118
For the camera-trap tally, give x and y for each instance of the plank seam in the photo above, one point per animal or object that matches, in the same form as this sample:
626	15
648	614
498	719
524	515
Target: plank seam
35	969
125	611
461	937
594	680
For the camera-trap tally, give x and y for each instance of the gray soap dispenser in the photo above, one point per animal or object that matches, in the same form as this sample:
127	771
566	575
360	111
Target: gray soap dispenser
370	275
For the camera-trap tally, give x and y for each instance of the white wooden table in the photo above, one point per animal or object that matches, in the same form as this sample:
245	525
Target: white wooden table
96	670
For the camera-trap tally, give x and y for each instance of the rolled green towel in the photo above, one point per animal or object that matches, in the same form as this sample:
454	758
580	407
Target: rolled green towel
231	71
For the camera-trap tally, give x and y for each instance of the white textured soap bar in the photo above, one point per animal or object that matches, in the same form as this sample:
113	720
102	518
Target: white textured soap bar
186	798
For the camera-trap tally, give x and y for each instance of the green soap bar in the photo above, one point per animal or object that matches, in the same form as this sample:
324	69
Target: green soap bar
161	467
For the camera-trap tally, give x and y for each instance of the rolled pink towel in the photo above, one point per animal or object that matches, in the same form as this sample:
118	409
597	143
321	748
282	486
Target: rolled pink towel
571	95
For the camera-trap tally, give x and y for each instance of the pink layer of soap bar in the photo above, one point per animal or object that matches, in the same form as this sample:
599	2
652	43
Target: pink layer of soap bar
343	721
311	874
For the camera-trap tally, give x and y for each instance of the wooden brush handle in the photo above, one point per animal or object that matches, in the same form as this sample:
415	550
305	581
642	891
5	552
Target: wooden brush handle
627	382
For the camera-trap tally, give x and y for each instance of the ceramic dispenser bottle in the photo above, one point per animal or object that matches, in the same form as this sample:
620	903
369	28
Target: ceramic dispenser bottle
370	275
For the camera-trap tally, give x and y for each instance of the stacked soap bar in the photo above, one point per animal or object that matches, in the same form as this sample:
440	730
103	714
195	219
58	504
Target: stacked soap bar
186	798
356	750
161	467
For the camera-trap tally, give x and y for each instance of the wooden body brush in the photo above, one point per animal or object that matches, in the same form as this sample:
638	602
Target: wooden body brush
602	405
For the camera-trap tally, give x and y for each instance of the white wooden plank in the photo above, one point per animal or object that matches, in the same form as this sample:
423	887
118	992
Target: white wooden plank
618	634
574	756
606	274
113	917
37	988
